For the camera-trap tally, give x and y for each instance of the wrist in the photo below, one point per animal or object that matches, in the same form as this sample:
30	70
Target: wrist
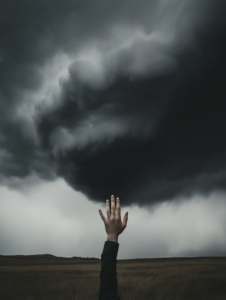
112	238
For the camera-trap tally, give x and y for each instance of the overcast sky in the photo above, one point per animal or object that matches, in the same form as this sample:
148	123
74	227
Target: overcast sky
53	218
113	97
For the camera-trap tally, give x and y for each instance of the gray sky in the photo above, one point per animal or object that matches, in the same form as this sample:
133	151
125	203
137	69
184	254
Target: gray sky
52	218
112	97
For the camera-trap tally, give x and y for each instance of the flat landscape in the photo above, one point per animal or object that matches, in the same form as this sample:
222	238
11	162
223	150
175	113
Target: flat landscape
49	277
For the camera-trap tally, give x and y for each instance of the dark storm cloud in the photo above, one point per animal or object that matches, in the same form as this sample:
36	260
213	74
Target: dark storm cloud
31	34
140	112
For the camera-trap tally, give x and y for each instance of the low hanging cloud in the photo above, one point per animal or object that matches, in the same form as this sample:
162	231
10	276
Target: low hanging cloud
116	98
46	218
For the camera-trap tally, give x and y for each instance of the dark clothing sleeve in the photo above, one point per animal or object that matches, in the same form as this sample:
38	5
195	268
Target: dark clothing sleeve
109	285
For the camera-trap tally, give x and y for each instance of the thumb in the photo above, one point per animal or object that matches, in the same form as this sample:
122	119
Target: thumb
102	215
125	219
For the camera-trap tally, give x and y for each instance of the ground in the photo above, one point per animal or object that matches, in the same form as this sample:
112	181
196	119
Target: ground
48	277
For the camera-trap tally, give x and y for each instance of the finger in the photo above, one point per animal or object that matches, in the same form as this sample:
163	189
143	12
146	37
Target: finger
113	205
102	216
108	209
118	209
125	219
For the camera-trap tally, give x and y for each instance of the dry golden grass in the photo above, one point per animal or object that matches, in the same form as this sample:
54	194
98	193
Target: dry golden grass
178	279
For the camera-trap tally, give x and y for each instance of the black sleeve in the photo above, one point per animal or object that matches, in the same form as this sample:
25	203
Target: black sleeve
108	284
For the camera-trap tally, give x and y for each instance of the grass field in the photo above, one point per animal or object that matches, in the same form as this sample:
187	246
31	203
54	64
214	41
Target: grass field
48	277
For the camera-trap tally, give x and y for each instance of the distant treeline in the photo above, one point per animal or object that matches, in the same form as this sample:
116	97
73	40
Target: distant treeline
42	257
87	258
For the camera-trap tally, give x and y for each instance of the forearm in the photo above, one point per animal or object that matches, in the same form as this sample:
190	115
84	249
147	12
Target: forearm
109	285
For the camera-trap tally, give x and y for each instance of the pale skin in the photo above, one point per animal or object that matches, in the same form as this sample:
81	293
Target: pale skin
114	226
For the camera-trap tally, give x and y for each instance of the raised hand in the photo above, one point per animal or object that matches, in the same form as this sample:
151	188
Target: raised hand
113	223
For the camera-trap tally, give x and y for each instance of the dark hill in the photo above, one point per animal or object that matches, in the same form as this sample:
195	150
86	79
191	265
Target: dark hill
41	259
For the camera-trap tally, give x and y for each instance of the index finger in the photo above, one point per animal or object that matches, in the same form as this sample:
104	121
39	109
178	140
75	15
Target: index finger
108	209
